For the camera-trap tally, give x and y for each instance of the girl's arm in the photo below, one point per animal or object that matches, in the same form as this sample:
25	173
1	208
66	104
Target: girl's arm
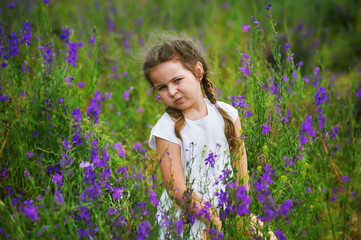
173	178
240	163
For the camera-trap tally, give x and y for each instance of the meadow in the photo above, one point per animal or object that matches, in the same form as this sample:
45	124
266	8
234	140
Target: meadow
76	114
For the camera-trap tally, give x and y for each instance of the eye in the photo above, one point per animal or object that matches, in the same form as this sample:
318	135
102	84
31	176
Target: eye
177	80
161	88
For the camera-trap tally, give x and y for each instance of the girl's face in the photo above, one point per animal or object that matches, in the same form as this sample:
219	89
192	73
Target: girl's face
176	85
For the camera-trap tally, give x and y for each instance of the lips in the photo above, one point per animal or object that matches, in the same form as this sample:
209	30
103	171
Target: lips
178	100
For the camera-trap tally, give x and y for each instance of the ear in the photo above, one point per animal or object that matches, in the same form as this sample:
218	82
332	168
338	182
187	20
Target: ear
199	69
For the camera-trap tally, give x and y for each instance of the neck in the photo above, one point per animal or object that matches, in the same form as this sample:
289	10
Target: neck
198	110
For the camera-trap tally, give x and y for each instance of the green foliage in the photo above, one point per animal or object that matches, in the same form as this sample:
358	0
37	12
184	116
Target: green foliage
95	178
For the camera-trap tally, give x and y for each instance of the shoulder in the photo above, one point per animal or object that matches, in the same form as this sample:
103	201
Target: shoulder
164	128
233	112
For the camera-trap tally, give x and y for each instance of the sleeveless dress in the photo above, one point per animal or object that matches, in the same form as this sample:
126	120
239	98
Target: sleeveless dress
204	157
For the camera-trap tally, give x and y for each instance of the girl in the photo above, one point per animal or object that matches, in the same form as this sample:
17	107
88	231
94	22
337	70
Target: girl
194	138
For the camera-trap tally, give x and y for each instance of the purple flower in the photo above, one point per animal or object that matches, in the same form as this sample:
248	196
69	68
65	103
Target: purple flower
211	159
46	1
76	115
242	196
334	132
107	95
72	50
126	95
117	194
65	33
29	154
265	129
92	40
153	198
306	127
179	226
279	235
13	45
358	94
345	179
119	147
26	33
143	230
247	113
58	197
289	161
57	178
268	6
321	96
31	212
93	110
80	85
11	6
246	28
285	207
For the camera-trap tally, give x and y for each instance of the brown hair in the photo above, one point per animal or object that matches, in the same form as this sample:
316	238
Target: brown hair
186	52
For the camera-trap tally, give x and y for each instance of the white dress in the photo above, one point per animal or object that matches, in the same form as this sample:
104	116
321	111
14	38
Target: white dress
200	139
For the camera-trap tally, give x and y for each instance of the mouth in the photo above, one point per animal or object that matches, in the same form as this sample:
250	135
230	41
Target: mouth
178	100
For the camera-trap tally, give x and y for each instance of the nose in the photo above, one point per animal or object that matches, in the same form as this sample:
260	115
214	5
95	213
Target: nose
172	90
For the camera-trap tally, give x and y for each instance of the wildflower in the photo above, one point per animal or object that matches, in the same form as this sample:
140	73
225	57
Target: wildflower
179	226
31	212
358	94
289	161
65	33
118	147
126	95
26	33
241	196
279	234
72	50
287	46
334	132
153	198
320	96
29	154
57	178
4	65
268	6
285	207
80	85
143	230
13	45
211	159
105	174
69	80
117	194
46	1
345	179
76	114
138	147
92	40
247	113
246	28
11	6
306	127
4	173
85	164
265	129
93	110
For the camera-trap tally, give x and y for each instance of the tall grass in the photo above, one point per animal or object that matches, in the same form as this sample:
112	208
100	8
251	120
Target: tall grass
76	116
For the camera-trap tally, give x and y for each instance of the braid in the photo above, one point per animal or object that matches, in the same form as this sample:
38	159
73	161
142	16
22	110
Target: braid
229	129
179	119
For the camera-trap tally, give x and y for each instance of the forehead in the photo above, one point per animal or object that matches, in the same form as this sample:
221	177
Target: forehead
167	70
